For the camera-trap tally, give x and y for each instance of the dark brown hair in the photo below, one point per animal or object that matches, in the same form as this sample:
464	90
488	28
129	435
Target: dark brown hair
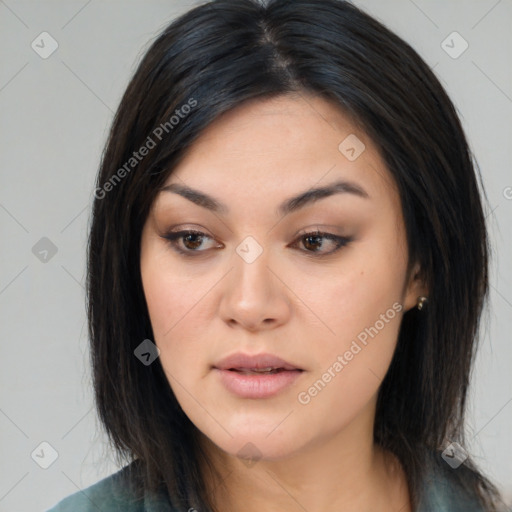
212	59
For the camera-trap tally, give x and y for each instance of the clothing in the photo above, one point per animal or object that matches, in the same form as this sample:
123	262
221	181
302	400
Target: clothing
112	495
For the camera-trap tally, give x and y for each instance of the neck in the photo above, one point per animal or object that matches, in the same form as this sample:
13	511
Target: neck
345	471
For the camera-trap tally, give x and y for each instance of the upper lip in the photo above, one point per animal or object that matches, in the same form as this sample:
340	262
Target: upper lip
240	361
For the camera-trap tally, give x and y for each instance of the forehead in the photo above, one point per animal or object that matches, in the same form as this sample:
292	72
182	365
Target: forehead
277	147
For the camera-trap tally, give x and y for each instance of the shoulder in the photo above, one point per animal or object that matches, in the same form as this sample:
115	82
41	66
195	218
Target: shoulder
446	490
112	494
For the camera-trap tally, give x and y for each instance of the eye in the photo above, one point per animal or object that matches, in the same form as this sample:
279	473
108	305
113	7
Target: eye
315	242
190	242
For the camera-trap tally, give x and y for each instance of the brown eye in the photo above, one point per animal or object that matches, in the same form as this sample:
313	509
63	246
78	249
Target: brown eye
191	241
314	242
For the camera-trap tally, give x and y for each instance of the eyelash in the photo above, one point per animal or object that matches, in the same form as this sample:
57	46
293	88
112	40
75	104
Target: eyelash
174	236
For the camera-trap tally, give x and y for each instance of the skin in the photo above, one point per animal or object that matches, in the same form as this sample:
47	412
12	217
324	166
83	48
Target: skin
290	302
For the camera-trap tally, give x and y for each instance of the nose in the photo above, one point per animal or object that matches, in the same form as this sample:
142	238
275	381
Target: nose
255	296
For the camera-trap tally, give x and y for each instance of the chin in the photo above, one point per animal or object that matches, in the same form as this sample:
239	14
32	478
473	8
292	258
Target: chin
255	443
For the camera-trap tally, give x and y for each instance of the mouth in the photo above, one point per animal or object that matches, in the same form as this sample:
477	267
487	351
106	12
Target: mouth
256	376
260	371
257	363
258	384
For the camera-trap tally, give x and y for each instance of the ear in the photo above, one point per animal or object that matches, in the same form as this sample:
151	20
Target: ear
415	288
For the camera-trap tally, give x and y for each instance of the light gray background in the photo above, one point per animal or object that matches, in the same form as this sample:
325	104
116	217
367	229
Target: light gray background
55	114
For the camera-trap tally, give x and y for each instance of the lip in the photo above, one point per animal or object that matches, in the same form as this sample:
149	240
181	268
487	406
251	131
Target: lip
255	361
256	385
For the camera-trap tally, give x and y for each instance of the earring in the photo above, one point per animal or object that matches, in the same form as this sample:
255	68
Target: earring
421	302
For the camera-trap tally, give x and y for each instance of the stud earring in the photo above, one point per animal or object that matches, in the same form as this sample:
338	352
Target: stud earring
421	302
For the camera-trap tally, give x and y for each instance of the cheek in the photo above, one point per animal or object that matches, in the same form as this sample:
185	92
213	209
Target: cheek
172	299
350	370
174	305
362	311
354	298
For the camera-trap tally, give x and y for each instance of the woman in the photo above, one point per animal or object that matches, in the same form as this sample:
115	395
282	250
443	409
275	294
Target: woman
287	266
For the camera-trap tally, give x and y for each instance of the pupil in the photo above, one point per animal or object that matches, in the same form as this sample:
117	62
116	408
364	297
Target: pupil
308	238
196	244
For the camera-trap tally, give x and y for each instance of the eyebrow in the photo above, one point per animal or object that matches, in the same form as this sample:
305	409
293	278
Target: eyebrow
288	206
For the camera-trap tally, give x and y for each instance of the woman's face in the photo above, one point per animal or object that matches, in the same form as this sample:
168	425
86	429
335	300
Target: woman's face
252	283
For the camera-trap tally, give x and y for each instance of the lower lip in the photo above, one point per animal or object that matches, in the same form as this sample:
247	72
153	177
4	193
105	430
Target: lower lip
257	386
